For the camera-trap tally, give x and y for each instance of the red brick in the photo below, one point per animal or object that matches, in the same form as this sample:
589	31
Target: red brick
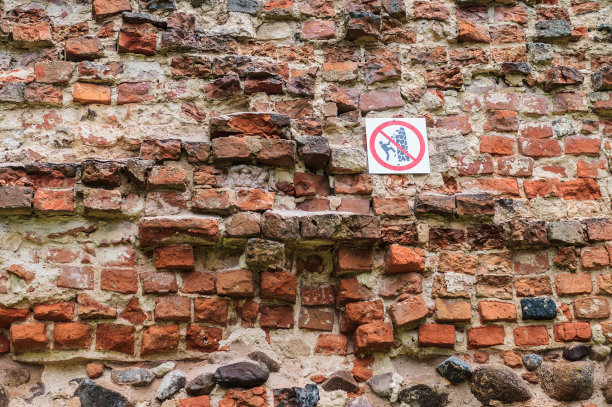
316	295
53	200
459	124
580	189
496	311
599	229
83	48
594	257
32	35
203	338
119	280
105	8
280	285
430	10
503	121
498	145
532	286
172	308
159	282
29	337
61	311
401	259
354	259
318	29
276	316
358	313
331	344
138	92
178	257
73	335
76	277
437	336
160	150
374	337
542	188
198	282
159	339
138	39
573	283
310	184
397	206
11	315
235	283
485	336
200	401
533	335
316	319
255	200
572	331
591	308
408	311
531	147
581	145
114	337
211	310
55	72
377	100
167	178
349	290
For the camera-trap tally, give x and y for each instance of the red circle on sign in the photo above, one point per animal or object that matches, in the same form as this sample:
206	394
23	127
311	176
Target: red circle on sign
379	131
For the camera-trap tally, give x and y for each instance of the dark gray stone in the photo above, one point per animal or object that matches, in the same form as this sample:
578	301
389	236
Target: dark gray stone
136	170
241	374
93	395
539	308
540	52
567	381
261	357
553	29
532	361
381	384
563	127
424	395
577	352
454	370
498	383
160	4
341	380
315	151
140	18
244	6
172	382
262	254
201	385
135	376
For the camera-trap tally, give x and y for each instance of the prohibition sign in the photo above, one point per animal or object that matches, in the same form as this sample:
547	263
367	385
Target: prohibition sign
379	132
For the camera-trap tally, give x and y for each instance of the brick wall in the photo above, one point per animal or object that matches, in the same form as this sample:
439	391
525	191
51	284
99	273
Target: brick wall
186	181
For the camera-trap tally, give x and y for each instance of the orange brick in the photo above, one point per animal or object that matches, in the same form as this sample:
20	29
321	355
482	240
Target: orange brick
401	259
451	310
573	331
89	93
437	336
484	336
573	283
534	335
496	311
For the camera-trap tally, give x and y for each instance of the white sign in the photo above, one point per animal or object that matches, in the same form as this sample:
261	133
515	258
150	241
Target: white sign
397	146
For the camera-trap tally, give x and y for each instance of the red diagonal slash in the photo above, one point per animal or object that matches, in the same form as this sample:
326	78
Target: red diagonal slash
397	145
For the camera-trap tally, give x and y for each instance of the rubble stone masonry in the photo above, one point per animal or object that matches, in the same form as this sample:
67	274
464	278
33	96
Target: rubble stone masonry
186	217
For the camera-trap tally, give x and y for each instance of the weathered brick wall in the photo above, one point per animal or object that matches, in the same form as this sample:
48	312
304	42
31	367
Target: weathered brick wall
186	181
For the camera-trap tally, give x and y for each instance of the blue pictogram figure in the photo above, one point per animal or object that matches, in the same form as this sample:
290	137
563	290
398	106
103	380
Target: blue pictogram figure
386	148
400	138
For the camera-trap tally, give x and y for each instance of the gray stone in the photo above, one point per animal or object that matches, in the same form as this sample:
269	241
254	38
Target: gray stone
553	29
135	376
4	397
532	361
358	402
565	232
577	352
454	370
241	374
564	381
540	52
201	385
244	6
13	376
93	395
12	92
261	357
381	384
424	395
606	388
563	127
160	4
498	383
172	382
161	370
600	352
341	380
347	160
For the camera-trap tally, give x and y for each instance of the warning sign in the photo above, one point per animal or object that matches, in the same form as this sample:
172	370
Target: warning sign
397	146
